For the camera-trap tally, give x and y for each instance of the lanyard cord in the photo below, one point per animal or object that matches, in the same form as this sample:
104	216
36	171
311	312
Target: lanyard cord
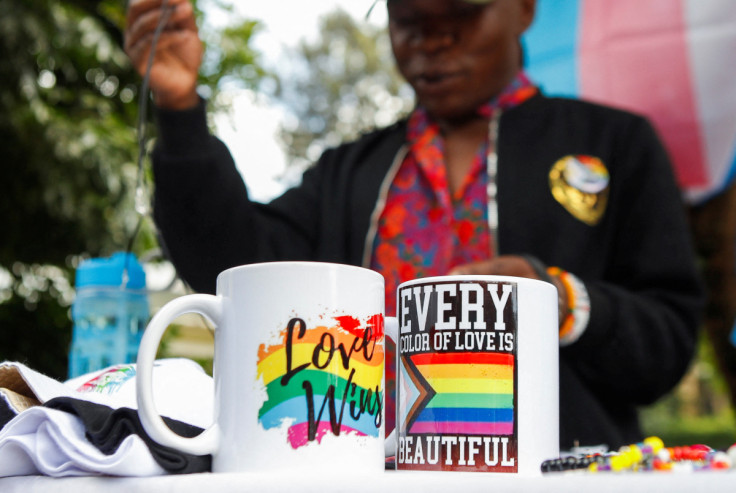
492	186
142	206
141	203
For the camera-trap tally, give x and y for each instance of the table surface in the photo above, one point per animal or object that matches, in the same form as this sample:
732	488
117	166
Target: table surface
399	481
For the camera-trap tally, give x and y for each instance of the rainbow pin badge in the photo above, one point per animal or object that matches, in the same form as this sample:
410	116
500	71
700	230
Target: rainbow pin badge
581	185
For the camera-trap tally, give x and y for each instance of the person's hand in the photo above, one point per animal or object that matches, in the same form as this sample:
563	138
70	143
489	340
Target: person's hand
178	56
504	265
516	266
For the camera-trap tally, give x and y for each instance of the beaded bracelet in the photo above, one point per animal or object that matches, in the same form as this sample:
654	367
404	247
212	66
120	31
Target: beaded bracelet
578	306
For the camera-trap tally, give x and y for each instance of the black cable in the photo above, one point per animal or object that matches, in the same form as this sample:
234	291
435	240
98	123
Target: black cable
143	97
140	196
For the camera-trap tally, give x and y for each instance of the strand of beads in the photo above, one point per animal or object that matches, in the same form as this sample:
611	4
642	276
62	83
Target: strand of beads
648	455
694	458
634	457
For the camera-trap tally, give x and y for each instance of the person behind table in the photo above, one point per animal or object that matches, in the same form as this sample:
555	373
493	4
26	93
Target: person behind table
581	195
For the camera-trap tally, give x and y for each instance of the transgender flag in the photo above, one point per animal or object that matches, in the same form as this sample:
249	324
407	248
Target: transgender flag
671	60
467	394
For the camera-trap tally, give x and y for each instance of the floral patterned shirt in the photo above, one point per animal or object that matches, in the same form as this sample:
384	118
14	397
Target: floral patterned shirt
424	229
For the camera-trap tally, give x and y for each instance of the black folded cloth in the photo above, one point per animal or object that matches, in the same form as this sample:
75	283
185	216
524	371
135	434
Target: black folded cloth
106	428
6	413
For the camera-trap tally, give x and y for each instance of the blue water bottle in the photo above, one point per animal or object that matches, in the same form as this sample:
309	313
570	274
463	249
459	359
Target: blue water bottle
110	312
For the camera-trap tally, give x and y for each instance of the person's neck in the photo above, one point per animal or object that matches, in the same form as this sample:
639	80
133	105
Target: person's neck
467	126
472	121
461	141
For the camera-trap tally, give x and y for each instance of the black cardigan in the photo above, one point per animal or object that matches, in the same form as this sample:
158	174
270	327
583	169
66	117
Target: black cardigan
637	263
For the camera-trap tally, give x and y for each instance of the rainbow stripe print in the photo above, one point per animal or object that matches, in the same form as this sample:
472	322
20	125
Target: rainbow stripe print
325	379
467	393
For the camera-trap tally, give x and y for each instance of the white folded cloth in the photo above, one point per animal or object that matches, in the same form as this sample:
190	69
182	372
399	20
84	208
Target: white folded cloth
41	440
53	442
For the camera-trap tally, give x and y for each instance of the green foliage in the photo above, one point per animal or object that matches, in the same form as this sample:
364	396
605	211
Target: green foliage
229	60
339	86
68	114
65	96
34	318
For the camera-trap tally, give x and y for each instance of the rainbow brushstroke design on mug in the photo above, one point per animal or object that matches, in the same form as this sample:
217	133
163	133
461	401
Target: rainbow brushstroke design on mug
324	379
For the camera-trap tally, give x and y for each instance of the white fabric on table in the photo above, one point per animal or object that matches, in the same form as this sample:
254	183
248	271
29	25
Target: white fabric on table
52	442
40	440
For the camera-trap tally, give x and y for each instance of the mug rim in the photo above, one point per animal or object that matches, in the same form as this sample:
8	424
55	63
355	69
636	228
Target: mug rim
298	264
472	277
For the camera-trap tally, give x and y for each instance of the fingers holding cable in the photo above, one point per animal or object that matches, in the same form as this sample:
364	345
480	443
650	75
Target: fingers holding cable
171	26
143	17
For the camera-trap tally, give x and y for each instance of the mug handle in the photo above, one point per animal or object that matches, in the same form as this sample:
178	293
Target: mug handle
391	328
208	441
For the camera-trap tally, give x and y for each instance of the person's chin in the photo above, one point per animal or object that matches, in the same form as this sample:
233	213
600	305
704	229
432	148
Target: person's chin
447	109
440	84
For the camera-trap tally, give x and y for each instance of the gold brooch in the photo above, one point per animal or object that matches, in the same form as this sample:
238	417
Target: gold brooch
580	185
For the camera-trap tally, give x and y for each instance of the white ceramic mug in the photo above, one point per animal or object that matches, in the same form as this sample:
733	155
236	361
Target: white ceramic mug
477	381
298	369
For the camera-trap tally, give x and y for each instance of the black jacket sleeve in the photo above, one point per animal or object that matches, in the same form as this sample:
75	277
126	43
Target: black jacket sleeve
206	221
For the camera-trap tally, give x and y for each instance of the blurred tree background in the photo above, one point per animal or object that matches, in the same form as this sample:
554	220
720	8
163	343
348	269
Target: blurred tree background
337	87
68	114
